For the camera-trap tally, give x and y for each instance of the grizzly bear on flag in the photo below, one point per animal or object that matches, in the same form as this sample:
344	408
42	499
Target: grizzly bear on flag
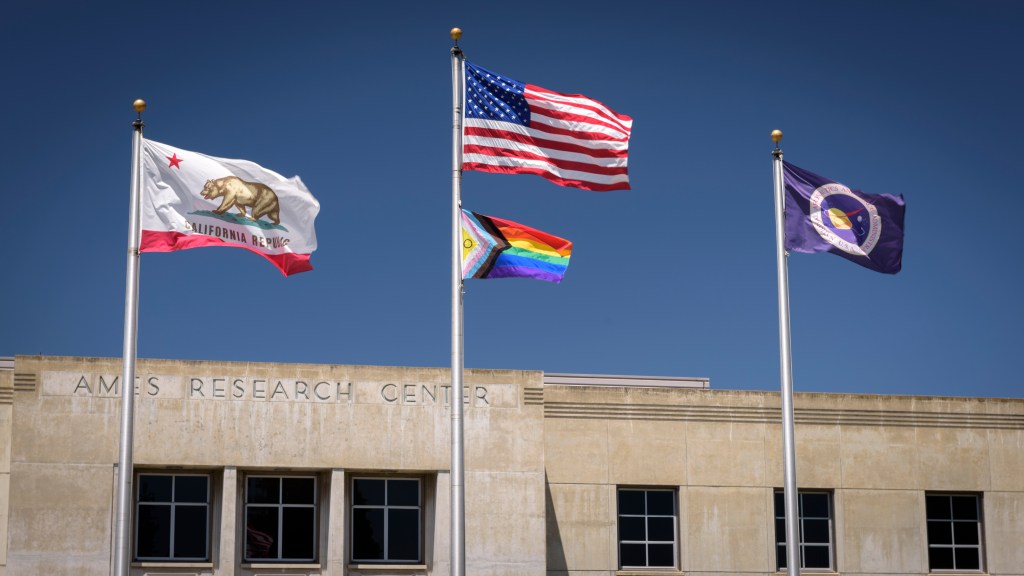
240	194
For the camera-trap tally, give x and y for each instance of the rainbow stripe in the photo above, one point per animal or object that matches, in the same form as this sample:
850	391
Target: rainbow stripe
498	248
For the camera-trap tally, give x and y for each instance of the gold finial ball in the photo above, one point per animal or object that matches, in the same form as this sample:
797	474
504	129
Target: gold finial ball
456	34
139	105
776	136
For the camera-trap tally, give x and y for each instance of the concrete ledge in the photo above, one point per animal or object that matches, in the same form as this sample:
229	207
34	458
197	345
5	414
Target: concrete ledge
388	567
279	566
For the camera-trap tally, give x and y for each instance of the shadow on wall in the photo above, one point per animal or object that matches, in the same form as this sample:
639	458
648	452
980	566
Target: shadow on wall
556	551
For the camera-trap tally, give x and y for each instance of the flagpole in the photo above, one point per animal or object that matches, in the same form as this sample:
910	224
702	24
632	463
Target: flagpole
122	537
458	495
786	369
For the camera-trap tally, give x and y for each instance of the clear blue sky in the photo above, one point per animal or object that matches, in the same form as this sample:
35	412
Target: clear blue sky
676	277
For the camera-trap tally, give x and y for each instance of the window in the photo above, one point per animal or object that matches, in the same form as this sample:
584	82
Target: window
647	528
387	519
172	517
815	514
954	531
280	519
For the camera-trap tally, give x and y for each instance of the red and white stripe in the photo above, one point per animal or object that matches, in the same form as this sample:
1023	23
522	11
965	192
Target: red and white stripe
163	241
572	141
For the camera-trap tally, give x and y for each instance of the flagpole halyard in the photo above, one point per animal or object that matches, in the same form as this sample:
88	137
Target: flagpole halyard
786	369
458	496
122	532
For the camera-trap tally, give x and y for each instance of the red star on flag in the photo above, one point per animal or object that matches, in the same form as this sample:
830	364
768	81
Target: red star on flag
174	161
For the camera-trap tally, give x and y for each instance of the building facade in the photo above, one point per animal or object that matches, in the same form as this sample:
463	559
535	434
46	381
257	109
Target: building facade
271	469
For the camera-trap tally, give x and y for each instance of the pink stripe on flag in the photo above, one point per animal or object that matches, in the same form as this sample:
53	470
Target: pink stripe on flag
288	263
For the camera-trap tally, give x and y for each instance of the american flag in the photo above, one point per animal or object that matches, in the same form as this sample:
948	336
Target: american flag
516	128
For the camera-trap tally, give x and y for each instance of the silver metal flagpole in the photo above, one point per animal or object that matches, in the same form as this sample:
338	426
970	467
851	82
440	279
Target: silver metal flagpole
122	536
786	369
458	493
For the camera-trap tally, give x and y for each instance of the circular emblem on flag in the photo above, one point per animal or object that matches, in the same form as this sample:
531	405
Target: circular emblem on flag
844	220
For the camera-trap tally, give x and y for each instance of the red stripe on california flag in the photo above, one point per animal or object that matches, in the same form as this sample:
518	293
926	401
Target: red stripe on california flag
581	184
471	131
565	164
288	263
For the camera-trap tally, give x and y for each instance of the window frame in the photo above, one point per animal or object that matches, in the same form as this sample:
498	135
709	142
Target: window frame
280	506
172	504
979	522
420	519
780	539
647	515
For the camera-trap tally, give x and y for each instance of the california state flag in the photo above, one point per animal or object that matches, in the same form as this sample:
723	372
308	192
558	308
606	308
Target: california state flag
191	200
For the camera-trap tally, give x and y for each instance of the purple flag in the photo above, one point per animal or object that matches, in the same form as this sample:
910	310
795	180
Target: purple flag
822	215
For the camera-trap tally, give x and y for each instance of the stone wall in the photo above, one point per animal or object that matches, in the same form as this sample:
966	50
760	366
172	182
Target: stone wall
544	462
722	452
232	419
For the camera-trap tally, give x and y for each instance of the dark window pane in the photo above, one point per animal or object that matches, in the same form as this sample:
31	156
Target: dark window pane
298	491
938	507
403	535
263	491
814	505
190	532
661	529
631	502
965	533
967	559
816	557
660	555
366	491
780	556
780	530
632	528
154	531
647	516
190	489
403	493
298	533
940	532
780	505
965	508
154	488
661	502
367	534
261	532
633	554
940	558
816	532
